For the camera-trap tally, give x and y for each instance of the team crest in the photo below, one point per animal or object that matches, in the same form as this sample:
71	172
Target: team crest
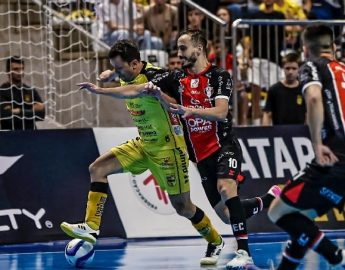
209	91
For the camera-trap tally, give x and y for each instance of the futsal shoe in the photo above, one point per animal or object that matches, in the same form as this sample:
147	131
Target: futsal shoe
80	231
343	260
241	261
212	253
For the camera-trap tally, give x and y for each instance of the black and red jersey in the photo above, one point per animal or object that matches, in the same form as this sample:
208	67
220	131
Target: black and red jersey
203	137
330	75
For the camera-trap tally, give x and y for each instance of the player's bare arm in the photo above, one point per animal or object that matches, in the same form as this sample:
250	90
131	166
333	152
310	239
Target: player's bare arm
217	113
315	117
127	91
153	90
106	76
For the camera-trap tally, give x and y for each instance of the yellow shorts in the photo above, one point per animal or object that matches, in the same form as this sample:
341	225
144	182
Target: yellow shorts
169	167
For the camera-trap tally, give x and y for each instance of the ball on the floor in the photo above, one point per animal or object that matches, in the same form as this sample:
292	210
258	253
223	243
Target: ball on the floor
79	253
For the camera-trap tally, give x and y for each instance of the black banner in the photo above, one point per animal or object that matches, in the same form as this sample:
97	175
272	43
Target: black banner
44	180
272	155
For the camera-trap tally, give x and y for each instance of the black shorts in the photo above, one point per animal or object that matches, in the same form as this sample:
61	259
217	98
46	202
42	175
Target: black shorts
224	163
318	188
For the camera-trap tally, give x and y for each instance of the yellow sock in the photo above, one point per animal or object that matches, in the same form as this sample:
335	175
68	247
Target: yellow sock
206	230
94	209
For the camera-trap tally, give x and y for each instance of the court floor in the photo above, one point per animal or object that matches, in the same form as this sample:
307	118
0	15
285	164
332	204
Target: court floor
171	254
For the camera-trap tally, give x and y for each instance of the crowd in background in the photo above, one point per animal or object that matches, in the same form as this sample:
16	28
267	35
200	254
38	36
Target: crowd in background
261	51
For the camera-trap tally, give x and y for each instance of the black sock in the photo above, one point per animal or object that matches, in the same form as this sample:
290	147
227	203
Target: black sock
292	256
99	187
308	235
330	251
251	207
266	200
198	216
238	222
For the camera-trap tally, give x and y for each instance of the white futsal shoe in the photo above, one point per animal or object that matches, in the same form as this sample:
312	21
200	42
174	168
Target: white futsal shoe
212	253
241	261
80	231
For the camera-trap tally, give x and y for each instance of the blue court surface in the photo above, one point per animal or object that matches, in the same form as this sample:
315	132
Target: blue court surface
114	253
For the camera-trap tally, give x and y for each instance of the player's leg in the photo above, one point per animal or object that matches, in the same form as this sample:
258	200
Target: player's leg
124	157
228	169
209	178
174	178
305	235
201	222
294	211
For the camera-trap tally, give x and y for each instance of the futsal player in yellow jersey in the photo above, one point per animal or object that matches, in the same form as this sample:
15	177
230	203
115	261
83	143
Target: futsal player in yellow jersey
160	148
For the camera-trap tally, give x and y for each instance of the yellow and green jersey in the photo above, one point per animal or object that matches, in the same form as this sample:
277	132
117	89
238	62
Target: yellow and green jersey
158	128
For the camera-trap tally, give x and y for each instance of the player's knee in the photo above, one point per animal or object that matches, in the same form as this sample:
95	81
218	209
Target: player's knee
227	188
183	209
95	171
273	214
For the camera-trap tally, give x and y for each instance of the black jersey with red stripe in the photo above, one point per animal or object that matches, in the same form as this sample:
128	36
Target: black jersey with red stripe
203	137
330	75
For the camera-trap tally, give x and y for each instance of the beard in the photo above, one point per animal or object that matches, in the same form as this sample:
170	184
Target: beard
189	62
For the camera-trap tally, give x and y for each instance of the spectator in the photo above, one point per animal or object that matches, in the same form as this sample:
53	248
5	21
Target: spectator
20	104
162	20
240	88
225	14
265	69
195	18
290	8
285	104
174	62
327	9
113	23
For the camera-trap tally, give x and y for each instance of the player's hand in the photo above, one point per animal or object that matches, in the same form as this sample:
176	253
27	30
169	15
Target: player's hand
179	109
16	111
324	155
90	87
152	90
105	75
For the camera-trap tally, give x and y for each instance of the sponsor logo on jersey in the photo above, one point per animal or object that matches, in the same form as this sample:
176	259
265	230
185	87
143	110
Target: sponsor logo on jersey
330	195
194	101
194	83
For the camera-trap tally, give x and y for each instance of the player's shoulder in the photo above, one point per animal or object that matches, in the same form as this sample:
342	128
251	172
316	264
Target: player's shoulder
315	63
5	85
276	87
215	70
151	69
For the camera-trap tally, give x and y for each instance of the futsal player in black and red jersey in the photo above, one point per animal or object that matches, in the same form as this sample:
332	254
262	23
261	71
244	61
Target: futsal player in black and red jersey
203	91
321	185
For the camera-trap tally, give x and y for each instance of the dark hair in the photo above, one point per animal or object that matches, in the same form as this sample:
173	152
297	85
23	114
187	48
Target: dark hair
318	38
173	54
291	57
13	59
126	49
197	37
